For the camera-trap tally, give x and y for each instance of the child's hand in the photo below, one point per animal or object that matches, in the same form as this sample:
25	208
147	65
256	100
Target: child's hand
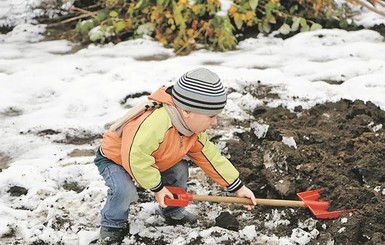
246	192
160	195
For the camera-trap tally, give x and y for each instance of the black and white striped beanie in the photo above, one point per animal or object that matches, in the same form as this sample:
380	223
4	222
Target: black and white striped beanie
200	91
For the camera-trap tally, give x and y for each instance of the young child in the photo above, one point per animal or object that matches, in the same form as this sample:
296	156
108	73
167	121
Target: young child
148	144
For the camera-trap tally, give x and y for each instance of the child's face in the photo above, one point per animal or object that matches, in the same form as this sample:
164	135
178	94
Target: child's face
198	123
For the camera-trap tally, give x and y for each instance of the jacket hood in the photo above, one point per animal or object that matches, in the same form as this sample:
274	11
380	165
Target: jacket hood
162	96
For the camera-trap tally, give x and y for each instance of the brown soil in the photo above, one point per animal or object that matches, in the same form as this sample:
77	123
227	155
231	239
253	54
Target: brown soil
340	148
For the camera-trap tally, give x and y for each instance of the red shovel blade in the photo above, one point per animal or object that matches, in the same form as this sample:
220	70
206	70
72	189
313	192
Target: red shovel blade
319	207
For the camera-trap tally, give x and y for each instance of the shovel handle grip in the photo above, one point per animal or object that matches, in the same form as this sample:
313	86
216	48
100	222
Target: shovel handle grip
247	201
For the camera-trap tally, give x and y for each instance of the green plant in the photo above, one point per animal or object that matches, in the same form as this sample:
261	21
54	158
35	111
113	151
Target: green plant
186	25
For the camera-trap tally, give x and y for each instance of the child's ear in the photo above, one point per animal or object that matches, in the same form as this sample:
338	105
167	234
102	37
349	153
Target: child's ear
185	113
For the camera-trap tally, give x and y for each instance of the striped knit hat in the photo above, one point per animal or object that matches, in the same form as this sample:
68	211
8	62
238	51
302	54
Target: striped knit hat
200	91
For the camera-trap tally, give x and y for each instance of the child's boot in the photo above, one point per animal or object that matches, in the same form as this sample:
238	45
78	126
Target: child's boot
181	218
112	236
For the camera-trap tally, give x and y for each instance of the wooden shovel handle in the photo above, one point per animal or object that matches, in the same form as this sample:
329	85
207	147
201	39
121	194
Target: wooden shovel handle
247	201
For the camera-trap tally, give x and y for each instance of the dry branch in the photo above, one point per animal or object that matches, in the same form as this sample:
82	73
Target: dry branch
382	3
83	11
71	19
368	6
84	14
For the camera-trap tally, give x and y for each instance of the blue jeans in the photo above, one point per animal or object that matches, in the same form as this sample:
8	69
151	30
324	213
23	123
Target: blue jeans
122	190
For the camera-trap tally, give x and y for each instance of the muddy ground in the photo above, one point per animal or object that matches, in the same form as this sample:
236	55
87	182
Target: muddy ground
339	147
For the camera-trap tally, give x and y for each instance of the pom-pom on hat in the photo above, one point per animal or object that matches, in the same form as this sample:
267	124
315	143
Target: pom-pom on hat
200	91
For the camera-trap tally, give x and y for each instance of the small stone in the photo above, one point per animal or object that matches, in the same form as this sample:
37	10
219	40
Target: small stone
227	221
17	191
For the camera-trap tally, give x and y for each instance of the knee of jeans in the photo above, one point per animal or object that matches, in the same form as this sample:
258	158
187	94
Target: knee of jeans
121	187
126	194
129	194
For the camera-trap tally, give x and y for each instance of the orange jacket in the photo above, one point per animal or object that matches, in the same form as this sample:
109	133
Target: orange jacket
150	145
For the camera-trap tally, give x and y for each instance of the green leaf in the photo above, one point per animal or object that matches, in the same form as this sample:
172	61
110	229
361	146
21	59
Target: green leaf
266	27
303	22
109	31
85	26
101	15
138	4
295	24
113	14
343	23
163	3
315	26
304	25
238	23
226	38
305	28
170	21
119	26
293	9
96	34
260	27
253	4
145	29
179	20
284	29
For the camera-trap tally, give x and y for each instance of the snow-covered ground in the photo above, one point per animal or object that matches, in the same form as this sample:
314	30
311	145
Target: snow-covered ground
45	86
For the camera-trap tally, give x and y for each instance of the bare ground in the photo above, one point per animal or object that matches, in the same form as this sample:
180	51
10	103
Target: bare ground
340	148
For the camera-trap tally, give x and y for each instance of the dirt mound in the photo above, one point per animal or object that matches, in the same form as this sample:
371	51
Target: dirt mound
339	147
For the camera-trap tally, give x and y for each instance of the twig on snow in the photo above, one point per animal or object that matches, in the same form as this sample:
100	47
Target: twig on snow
368	6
